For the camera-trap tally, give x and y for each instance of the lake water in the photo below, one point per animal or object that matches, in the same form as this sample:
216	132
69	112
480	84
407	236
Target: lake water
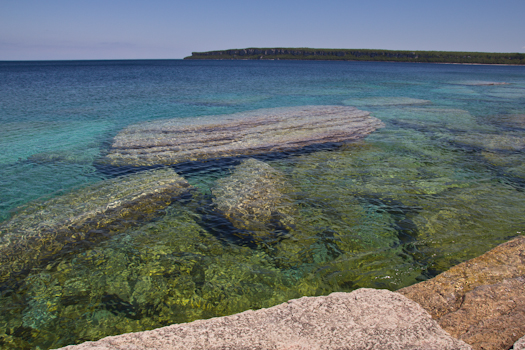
441	183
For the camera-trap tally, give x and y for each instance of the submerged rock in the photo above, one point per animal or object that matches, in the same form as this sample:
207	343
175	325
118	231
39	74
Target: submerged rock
169	270
74	157
480	83
254	197
430	118
507	93
385	101
43	229
493	142
516	121
480	301
265	130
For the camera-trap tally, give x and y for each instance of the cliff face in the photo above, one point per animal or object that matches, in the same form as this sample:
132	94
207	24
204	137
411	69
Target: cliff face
296	52
269	52
362	55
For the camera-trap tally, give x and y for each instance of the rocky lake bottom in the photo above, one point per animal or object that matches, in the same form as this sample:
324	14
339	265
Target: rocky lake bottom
113	221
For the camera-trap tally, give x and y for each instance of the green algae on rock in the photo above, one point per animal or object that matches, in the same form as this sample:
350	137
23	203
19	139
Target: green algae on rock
41	230
494	142
254	198
253	132
167	271
410	195
337	321
509	121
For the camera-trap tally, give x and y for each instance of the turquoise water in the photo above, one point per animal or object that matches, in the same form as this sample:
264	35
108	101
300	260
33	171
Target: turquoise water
441	183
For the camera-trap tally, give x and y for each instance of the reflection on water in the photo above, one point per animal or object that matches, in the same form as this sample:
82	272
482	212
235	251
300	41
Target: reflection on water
443	182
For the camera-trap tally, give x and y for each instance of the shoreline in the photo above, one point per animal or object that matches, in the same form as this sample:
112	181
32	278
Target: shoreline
367	55
307	60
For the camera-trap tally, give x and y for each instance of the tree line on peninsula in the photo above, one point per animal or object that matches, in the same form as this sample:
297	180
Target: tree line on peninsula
361	55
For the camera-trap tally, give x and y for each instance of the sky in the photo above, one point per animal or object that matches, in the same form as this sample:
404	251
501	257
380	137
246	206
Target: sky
163	29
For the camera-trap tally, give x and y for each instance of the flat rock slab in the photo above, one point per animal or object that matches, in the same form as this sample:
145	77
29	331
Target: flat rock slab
363	319
41	230
254	132
481	301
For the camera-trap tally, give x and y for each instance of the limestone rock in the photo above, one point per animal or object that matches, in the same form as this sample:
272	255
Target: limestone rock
43	229
491	316
480	300
363	319
520	344
254	197
260	131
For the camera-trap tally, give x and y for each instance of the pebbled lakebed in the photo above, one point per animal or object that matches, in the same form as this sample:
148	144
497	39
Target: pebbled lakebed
308	178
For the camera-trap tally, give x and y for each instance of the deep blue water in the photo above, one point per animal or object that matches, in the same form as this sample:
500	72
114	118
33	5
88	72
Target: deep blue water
444	181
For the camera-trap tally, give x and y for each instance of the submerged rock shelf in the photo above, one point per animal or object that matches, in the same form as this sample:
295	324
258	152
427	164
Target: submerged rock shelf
43	229
254	198
478	304
260	131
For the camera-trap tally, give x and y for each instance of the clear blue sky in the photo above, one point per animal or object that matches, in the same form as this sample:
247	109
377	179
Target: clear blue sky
113	29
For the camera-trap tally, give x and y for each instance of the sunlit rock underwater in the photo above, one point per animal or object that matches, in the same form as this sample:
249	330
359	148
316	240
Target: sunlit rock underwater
385	101
479	83
509	121
436	118
255	197
430	204
73	157
41	230
508	92
253	132
164	272
508	141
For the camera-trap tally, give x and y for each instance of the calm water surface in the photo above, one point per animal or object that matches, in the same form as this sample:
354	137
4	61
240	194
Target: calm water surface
443	182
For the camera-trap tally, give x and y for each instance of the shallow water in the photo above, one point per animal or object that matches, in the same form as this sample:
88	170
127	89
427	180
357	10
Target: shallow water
443	182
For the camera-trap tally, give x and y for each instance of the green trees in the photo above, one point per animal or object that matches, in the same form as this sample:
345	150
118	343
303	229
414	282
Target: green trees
363	55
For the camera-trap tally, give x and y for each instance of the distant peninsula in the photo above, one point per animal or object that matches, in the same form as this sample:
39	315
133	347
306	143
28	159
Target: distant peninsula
361	55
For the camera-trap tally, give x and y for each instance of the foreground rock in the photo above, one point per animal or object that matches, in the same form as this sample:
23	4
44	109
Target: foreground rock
254	198
363	319
253	132
481	301
43	229
520	344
